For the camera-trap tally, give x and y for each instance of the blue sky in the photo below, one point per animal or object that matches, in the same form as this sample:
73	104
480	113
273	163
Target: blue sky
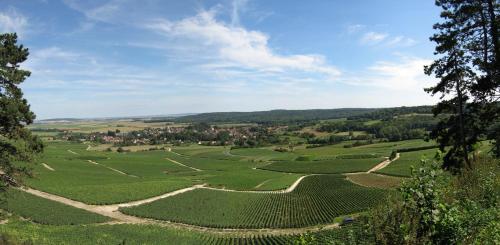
122	57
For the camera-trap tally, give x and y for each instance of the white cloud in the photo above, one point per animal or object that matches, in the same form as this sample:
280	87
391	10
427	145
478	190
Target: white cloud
237	6
401	41
371	38
12	21
355	28
238	47
404	74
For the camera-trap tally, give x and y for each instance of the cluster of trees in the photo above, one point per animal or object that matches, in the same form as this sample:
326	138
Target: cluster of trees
261	136
389	113
395	129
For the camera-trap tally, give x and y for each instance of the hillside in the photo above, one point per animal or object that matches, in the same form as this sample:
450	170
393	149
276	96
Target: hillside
302	115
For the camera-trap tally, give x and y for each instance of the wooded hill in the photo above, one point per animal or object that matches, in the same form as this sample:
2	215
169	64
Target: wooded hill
303	115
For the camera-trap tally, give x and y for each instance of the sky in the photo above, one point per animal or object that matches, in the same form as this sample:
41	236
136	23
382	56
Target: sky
111	58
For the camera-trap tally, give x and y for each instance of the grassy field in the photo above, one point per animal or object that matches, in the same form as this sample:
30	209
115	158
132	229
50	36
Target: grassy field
45	211
402	166
318	199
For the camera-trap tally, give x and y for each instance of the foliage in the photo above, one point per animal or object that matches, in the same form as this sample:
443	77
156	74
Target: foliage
16	142
435	208
468	72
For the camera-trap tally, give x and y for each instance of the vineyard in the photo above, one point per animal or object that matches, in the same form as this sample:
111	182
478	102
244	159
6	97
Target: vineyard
402	166
44	211
32	233
317	200
332	166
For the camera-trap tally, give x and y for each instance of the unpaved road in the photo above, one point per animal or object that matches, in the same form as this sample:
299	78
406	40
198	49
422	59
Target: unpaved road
48	167
184	165
112	169
72	152
383	164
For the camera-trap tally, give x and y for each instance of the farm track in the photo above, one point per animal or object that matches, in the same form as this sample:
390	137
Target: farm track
383	164
112	211
112	169
184	165
72	152
48	167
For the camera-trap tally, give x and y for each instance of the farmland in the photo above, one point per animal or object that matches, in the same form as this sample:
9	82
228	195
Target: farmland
309	204
191	193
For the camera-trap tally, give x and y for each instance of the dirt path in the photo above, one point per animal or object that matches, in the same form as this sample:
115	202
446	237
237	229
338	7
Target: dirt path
184	165
112	169
113	212
48	167
261	184
383	164
72	152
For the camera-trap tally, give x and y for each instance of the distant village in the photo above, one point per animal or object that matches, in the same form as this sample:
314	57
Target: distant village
201	133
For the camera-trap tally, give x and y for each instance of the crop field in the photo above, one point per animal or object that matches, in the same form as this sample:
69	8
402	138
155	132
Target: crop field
375	180
332	166
73	176
43	211
402	166
318	199
383	149
93	175
32	233
99	126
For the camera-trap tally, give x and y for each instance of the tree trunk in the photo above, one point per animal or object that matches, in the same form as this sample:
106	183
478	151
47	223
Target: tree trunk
461	123
484	25
494	31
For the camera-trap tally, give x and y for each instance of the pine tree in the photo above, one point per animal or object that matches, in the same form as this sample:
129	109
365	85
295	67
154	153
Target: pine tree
16	141
468	69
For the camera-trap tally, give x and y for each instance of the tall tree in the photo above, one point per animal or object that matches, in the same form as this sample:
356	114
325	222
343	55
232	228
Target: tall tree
468	72
16	141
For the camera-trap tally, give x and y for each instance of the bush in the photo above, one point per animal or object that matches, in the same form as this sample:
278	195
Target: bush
435	208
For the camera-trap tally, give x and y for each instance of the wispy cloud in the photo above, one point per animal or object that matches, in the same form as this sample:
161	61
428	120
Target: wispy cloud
355	28
237	7
404	74
372	38
401	41
13	21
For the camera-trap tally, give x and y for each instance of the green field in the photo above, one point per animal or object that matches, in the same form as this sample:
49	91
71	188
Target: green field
94	176
43	211
317	200
402	166
333	166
